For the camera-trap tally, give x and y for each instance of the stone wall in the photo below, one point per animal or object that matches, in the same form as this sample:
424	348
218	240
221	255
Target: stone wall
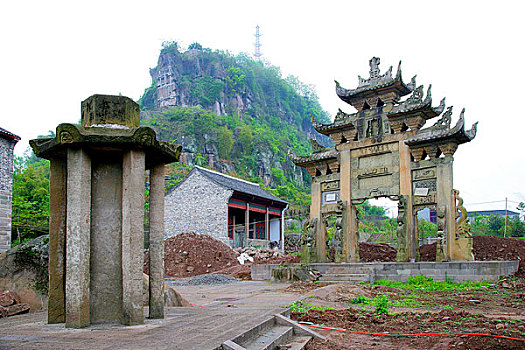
6	188
458	271
197	205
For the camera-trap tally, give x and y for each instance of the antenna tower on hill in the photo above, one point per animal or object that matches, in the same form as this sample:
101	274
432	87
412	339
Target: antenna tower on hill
257	53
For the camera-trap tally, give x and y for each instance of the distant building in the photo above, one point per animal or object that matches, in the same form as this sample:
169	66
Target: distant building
510	214
235	211
8	141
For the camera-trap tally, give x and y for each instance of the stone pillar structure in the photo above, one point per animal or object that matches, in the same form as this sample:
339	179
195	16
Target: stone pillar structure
7	143
156	242
78	224
96	211
315	213
350	229
56	305
405	189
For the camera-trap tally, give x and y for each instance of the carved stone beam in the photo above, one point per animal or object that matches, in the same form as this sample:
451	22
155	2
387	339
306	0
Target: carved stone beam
389	99
396	125
322	168
432	151
417	154
337	137
350	134
359	104
415	123
448	149
372	101
334	167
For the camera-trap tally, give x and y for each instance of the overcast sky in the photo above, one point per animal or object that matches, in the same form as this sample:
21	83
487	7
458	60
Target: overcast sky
55	54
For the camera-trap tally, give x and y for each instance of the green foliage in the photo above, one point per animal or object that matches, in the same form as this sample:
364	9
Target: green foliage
301	307
246	138
428	284
381	304
360	300
195	46
275	116
30	211
495	225
225	142
426	229
235	79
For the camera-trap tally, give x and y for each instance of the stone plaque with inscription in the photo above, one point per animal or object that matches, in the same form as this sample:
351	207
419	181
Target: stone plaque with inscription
375	171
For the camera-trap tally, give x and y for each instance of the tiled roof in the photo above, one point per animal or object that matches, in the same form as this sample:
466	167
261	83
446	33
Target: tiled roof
8	135
238	185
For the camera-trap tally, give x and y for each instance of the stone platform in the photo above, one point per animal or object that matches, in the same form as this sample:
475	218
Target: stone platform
225	311
458	271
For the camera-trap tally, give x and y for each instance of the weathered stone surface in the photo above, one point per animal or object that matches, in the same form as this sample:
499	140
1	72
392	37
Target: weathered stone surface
377	161
105	245
132	236
156	243
57	241
106	109
23	269
78	238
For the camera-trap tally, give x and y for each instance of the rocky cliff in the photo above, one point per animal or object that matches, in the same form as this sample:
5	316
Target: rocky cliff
232	113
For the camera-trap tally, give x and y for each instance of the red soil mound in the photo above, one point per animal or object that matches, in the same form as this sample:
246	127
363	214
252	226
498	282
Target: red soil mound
486	248
376	252
191	254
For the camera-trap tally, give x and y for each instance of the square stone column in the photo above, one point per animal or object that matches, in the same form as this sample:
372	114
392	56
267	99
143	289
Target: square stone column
156	242
315	212
405	188
57	241
350	227
445	198
78	238
133	167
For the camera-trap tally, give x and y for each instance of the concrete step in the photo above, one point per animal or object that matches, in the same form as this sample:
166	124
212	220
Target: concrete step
272	333
271	338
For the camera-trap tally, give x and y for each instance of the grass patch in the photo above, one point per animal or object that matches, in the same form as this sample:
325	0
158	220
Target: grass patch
301	307
429	285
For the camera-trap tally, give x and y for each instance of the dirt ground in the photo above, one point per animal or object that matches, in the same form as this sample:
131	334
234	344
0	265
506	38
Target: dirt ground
498	309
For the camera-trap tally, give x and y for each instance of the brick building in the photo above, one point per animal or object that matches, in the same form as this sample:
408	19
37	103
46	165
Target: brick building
208	202
8	141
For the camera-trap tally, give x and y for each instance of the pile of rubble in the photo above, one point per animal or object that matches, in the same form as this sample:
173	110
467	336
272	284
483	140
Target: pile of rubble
263	256
10	304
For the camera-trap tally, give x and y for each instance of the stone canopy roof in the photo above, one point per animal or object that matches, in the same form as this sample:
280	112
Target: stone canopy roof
8	135
441	131
325	153
238	185
375	83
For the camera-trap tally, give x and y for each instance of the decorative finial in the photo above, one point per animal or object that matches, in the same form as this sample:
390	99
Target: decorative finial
398	74
374	67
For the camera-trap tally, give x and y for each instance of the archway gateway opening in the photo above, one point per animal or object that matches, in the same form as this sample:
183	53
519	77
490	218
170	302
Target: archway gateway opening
383	150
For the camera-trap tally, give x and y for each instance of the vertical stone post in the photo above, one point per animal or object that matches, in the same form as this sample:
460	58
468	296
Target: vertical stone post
57	241
156	242
78	238
445	198
315	212
133	167
350	228
405	189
